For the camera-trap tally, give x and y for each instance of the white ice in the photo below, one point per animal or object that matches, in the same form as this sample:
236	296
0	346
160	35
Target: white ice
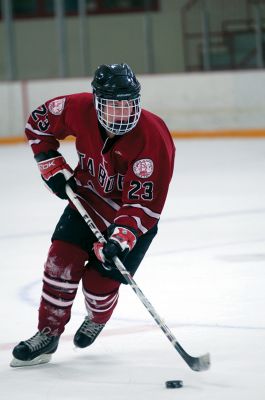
204	274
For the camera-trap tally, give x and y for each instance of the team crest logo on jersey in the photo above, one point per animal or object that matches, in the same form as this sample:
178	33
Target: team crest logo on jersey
56	106
143	168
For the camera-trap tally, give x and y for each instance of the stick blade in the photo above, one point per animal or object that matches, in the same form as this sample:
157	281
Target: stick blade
201	363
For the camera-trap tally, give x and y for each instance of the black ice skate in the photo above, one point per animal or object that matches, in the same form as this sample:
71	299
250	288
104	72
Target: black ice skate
87	333
36	350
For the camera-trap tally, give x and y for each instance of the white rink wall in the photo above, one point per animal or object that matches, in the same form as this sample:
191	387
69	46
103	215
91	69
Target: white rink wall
216	101
11	109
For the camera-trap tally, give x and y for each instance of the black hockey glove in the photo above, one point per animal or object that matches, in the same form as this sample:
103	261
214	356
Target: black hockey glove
52	167
120	241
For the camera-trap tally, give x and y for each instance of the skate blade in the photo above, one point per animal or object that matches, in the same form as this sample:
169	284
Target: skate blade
42	359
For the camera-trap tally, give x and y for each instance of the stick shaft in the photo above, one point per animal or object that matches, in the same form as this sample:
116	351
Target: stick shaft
193	362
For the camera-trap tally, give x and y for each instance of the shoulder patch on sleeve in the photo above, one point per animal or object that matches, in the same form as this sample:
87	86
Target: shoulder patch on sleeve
143	168
56	106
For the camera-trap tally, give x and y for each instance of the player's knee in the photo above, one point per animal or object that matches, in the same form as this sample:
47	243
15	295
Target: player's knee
65	259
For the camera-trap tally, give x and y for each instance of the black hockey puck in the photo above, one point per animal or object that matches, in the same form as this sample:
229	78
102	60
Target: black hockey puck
174	384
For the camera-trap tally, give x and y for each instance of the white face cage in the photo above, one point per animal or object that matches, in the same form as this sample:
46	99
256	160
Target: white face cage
118	116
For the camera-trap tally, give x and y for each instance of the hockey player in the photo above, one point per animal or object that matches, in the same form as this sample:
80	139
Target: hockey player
126	158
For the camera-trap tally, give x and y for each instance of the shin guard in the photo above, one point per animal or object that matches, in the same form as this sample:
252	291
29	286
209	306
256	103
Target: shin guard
63	270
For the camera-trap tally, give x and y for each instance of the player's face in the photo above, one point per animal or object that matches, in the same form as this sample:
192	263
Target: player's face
117	111
118	116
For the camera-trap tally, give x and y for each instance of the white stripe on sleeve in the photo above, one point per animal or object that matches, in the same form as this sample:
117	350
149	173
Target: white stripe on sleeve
137	219
35	141
30	128
147	211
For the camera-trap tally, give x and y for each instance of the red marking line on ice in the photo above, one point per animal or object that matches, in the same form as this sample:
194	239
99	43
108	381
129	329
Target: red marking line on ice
145	328
111	332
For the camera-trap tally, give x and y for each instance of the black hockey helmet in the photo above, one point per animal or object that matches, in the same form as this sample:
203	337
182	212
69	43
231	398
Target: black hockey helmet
115	82
117	98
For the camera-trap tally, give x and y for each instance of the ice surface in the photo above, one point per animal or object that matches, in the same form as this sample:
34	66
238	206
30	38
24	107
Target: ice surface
204	274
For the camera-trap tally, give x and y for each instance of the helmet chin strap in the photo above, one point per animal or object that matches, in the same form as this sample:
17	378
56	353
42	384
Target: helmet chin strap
111	135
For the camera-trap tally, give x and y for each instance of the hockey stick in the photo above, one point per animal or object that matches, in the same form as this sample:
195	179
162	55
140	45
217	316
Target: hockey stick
201	363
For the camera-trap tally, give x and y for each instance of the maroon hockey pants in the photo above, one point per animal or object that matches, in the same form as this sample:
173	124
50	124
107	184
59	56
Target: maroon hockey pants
63	271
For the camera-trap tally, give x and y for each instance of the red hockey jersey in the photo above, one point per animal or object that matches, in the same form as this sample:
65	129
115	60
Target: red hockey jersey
122	180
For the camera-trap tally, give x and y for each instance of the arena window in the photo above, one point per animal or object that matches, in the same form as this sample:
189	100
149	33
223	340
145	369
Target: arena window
45	8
